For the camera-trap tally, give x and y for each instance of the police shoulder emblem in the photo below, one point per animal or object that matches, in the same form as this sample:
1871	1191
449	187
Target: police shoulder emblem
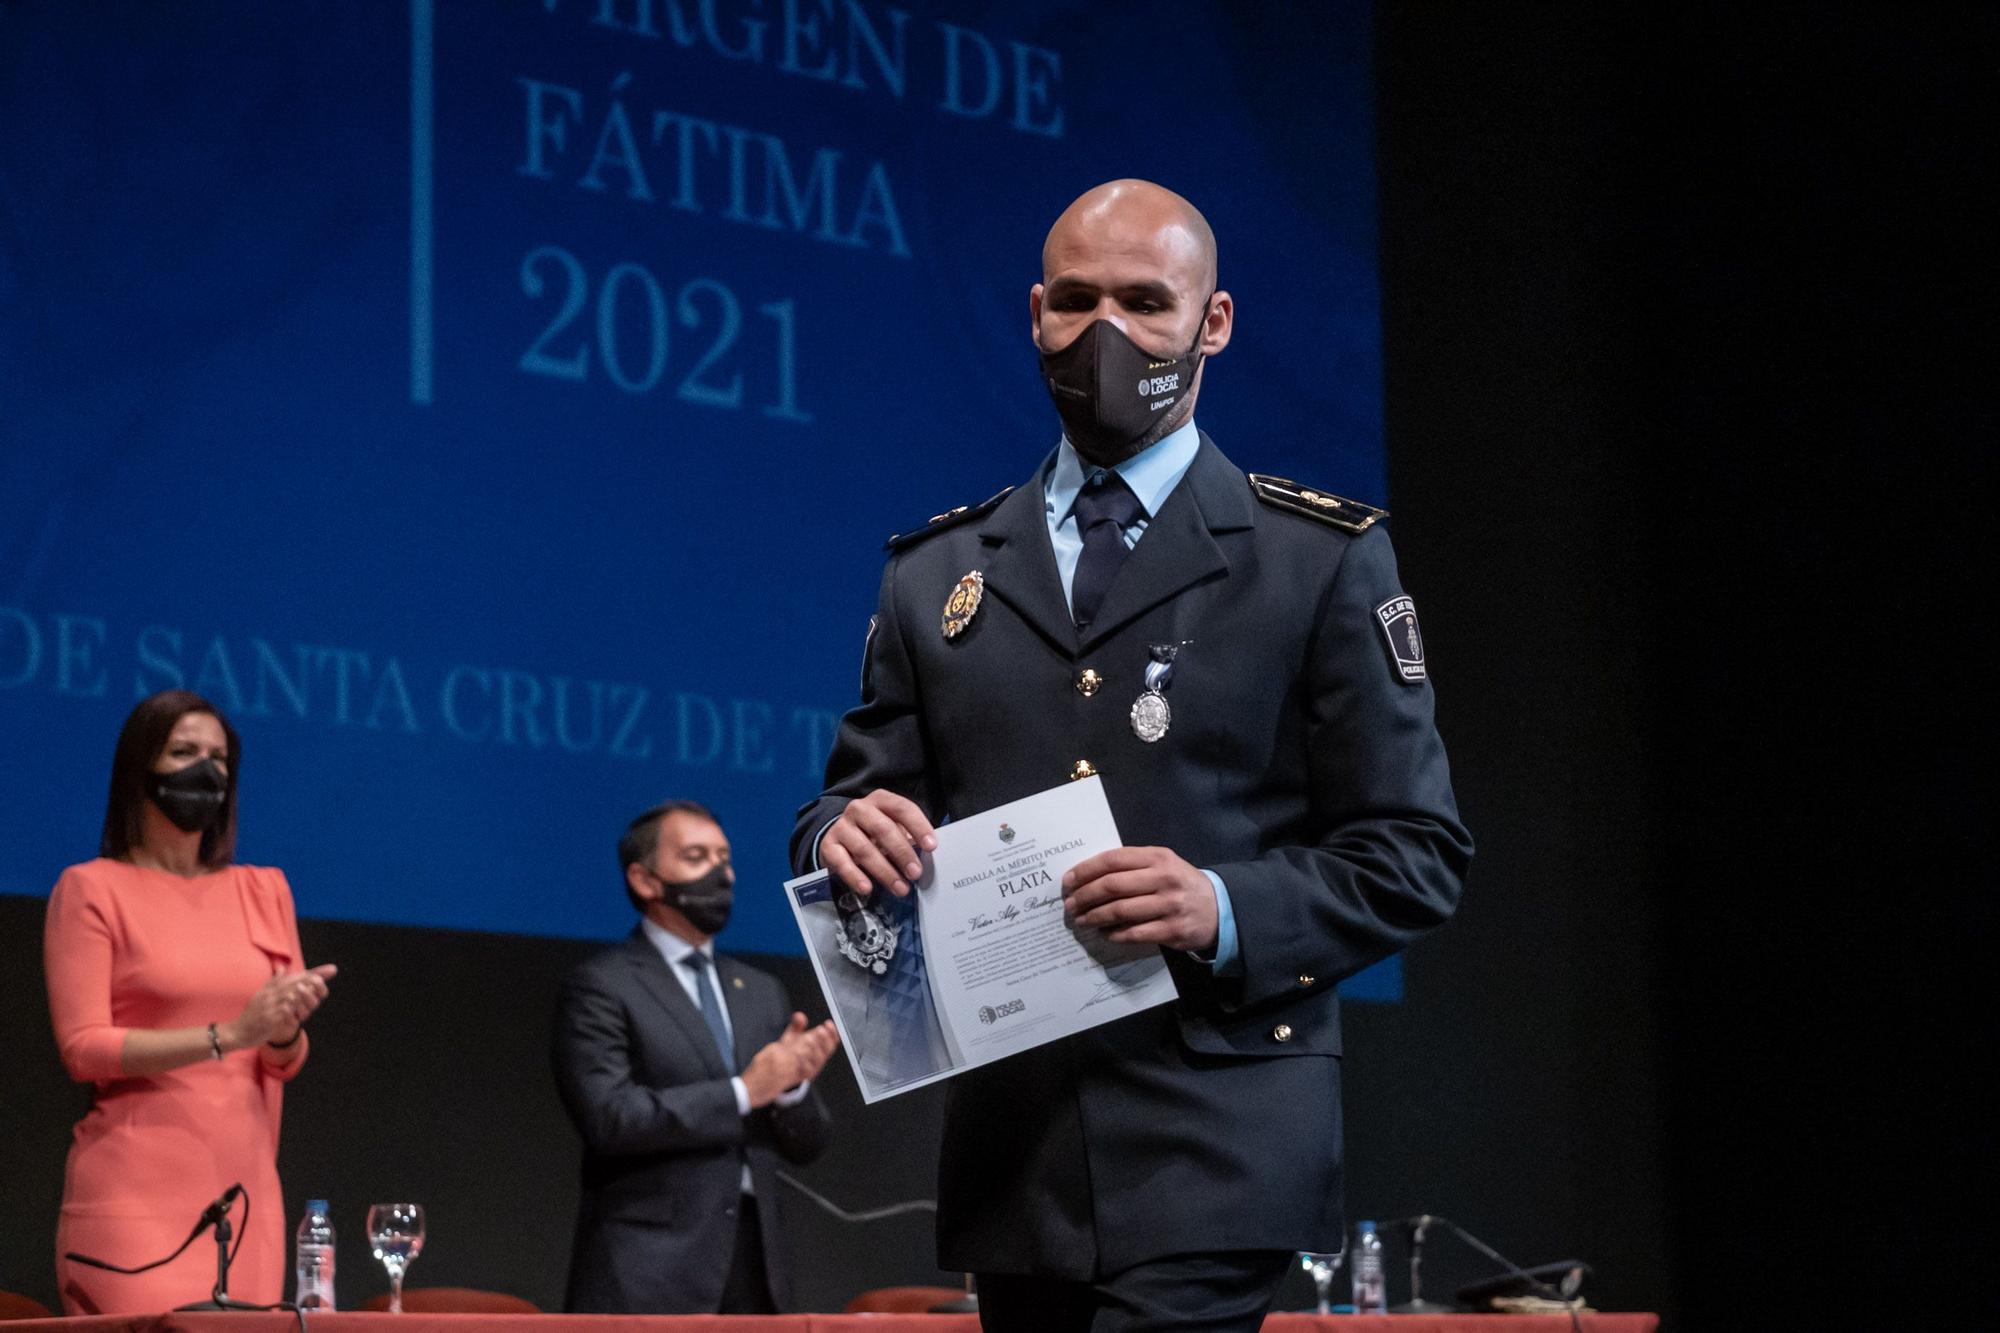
1347	515
963	604
1398	619
950	518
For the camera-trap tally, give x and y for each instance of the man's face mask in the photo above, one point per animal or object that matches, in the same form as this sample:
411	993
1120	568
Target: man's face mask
1113	396
190	797
705	902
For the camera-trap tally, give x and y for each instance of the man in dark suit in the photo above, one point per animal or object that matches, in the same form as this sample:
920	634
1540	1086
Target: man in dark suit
1237	659
688	1075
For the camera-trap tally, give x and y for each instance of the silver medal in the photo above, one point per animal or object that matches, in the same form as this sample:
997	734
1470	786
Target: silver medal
865	939
1151	717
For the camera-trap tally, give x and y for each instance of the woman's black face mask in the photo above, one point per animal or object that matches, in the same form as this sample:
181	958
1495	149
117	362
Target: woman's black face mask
192	797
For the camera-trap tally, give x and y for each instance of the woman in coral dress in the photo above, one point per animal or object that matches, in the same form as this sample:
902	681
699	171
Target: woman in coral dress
178	991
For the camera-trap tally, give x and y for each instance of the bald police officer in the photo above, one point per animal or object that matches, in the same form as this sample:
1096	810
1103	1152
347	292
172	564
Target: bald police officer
1237	658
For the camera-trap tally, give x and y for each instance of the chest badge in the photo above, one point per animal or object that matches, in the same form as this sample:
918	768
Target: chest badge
963	604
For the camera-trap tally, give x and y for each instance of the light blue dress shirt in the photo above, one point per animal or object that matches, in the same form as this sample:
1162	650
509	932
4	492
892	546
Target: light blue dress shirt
1152	474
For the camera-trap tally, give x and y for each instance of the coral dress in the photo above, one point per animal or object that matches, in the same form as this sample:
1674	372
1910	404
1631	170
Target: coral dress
130	947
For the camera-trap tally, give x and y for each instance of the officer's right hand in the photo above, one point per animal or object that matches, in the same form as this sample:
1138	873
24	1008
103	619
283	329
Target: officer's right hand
877	840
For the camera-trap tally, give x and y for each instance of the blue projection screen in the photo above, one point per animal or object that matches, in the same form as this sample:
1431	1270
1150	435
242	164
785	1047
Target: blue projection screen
498	408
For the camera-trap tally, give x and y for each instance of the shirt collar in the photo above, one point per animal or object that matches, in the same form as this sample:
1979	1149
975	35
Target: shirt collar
671	946
1152	473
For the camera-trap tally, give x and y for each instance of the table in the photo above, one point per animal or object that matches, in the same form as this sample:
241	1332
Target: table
793	1323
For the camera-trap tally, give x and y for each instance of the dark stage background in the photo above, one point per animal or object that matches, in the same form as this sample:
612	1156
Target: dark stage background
1688	465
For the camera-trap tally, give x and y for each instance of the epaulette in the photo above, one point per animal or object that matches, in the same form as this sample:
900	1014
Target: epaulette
939	522
1348	515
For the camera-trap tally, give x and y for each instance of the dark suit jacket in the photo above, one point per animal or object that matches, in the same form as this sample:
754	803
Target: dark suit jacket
645	1086
1300	767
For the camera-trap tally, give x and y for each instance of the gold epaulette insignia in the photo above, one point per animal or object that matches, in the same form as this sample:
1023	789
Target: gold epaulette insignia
939	522
1348	515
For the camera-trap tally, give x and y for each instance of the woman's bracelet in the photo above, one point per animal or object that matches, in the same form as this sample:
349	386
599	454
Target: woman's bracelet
214	1043
290	1041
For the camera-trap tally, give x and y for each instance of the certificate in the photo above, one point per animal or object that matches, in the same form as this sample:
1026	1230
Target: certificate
979	962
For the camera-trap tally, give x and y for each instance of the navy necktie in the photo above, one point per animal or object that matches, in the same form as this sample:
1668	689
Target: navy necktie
711	1005
1104	509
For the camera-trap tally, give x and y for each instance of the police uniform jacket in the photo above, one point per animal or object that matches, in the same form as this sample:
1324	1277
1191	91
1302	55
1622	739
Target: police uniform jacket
1301	765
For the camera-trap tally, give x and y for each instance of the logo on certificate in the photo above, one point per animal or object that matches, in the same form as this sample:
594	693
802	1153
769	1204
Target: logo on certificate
990	1014
1006	833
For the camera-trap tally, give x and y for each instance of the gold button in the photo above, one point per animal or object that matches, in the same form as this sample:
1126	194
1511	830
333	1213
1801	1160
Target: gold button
1082	769
1305	979
1282	1032
1087	684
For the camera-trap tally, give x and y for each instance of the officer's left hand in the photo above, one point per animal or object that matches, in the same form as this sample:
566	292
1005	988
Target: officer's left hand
1143	895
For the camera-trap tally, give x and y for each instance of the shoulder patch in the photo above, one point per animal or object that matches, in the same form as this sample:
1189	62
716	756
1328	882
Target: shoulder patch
1398	619
1348	515
948	519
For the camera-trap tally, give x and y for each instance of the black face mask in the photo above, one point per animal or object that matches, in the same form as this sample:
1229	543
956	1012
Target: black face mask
1114	397
192	797
705	902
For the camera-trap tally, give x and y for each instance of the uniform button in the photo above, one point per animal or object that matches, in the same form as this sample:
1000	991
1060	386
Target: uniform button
1305	979
1282	1032
1088	682
1082	769
729	1212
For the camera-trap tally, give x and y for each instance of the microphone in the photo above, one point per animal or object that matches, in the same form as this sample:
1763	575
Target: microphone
1569	1273
210	1216
215	1216
218	1210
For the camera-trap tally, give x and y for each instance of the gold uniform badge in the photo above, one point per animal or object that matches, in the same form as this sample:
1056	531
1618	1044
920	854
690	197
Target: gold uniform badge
963	604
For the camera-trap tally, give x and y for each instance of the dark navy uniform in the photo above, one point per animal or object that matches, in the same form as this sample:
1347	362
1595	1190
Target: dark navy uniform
1301	765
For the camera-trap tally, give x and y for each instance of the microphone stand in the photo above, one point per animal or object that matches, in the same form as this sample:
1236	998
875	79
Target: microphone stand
216	1215
219	1298
1417	1304
1564	1295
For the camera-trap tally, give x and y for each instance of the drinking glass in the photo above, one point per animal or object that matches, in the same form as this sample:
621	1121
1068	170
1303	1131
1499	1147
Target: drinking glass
396	1234
1321	1268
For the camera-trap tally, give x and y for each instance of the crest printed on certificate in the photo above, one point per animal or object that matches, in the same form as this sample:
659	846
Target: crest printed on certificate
979	962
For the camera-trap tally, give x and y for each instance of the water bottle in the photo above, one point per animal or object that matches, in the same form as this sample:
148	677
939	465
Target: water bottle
315	1258
1370	1296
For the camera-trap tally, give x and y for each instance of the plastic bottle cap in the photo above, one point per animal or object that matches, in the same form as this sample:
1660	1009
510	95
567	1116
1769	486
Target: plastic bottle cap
1365	1226
319	1206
